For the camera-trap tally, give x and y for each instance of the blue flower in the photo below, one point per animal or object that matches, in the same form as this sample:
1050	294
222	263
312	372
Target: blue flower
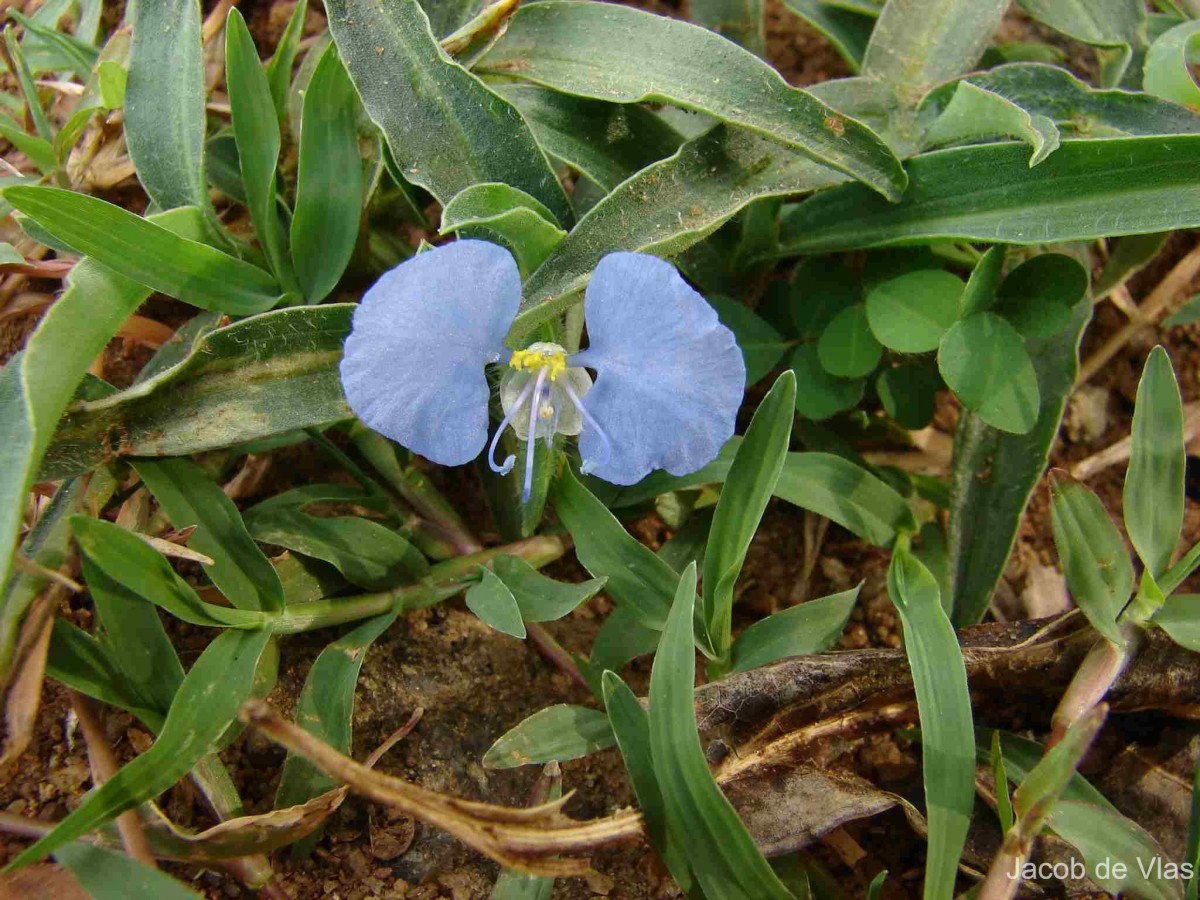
669	375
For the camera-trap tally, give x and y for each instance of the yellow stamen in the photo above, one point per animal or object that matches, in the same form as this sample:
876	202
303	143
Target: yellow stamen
554	362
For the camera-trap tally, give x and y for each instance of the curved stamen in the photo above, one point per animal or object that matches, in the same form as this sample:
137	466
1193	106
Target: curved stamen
534	409
605	444
508	463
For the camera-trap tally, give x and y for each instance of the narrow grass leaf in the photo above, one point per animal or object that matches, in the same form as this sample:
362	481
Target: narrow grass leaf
1180	618
111	875
279	69
561	732
846	30
944	705
808	627
1153	494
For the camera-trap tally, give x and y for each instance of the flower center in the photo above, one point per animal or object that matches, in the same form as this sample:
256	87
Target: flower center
542	355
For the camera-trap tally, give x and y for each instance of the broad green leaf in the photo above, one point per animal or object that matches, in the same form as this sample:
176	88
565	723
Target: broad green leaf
1116	25
495	604
256	131
995	473
446	129
505	216
164	103
908	393
747	489
1168	71
821	288
944	705
846	30
559	732
1038	296
761	345
742	21
808	627
37	384
542	599
919	43
279	69
975	114
329	182
129	561
911	312
188	496
325	708
607	142
1092	554
984	361
847	348
264	376
1153	495
637	578
1077	109
666	208
720	850
826	484
1180	618
631	727
111	875
1087	189
368	553
824	394
619	53
148	253
207	702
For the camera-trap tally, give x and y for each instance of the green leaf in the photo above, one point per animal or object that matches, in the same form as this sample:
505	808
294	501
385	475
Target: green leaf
559	732
720	850
279	69
911	312
325	709
1192	856
164	103
146	252
1038	296
981	288
1153	495
1004	810
919	43
984	361
1180	618
747	489
207	701
1045	783
741	21
1185	315
824	394
188	496
329	184
761	345
129	561
446	129
974	114
637	578
821	288
909	394
666	208
1168	71
111	875
82	663
505	216
944	705
494	603
1118	25
256	131
847	31
607	142
68	52
542	599
995	473
847	348
808	627
1087	189
40	152
631	726
619	53
1092	554
33	103
261	377
368	553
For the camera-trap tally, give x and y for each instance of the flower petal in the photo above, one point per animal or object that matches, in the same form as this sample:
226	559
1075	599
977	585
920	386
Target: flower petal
670	376
413	366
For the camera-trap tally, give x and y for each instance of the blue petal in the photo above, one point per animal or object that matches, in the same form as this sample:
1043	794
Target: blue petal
670	376
413	367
